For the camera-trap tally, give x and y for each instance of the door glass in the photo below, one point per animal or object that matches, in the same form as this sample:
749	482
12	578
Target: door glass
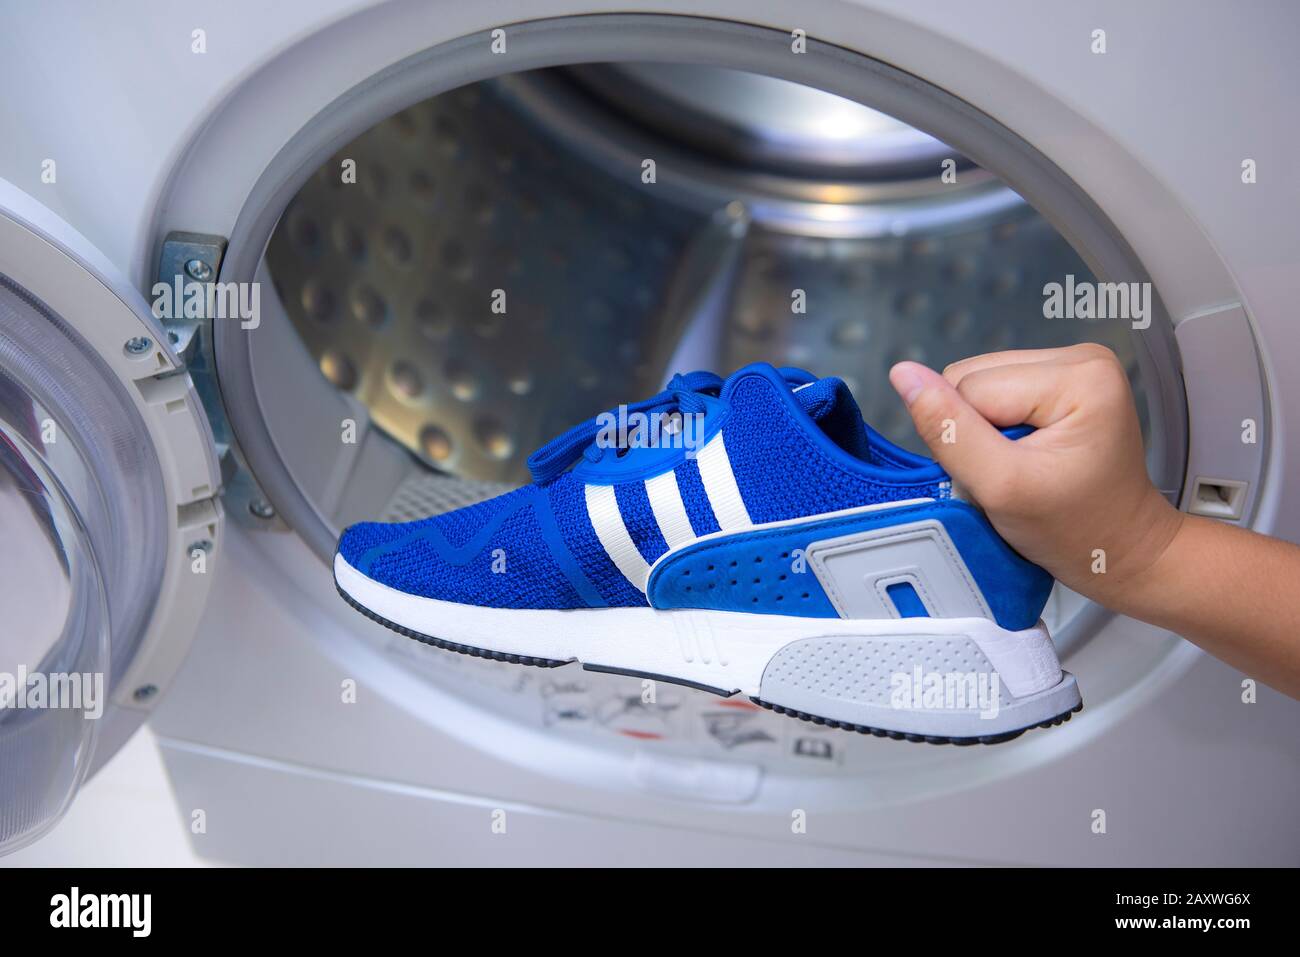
82	547
54	636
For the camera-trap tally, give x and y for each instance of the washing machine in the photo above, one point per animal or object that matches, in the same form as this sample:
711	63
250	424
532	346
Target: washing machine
270	269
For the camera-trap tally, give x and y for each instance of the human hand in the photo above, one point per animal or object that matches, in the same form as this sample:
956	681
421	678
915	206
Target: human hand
1073	496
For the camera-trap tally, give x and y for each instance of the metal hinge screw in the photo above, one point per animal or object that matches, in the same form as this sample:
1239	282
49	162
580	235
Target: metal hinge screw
138	346
198	269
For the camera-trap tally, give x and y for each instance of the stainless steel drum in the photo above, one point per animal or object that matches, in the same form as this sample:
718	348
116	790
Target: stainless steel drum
639	220
500	268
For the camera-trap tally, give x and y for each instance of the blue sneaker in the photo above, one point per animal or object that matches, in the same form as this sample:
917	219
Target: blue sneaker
749	536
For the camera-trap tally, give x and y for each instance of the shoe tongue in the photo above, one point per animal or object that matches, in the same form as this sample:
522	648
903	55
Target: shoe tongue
831	405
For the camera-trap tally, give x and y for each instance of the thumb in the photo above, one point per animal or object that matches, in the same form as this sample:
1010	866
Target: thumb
962	440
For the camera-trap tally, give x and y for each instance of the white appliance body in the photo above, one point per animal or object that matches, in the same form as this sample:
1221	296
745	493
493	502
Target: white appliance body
307	735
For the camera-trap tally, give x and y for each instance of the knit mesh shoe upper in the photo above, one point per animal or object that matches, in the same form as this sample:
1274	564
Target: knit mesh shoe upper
772	449
796	446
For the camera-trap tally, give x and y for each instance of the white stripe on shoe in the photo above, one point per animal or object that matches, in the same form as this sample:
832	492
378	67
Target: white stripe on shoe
669	509
602	510
720	486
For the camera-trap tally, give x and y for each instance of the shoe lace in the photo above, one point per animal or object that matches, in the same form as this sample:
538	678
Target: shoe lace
685	393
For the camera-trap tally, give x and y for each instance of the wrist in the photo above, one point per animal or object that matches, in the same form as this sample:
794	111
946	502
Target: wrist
1158	534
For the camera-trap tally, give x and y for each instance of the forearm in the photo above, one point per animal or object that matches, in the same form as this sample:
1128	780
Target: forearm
1231	591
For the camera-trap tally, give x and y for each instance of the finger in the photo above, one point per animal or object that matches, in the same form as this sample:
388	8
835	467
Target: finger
1033	393
963	367
963	442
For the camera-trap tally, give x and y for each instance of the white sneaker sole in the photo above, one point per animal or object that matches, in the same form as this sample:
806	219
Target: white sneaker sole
945	680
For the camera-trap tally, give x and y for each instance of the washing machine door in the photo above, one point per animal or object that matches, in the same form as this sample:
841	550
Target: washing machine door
109	526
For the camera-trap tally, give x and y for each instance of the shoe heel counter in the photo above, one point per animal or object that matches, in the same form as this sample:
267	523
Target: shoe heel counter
1014	588
940	559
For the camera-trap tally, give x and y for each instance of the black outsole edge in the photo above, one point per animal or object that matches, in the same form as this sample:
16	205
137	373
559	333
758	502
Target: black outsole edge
685	683
449	645
605	669
1061	718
